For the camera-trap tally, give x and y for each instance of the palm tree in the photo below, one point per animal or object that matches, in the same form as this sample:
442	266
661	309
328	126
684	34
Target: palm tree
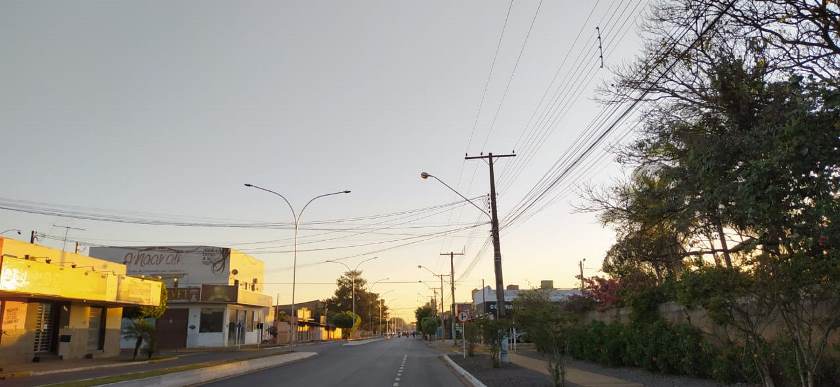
139	330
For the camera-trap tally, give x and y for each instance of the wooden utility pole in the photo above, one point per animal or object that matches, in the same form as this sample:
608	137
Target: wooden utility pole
494	220
580	263
497	248
452	255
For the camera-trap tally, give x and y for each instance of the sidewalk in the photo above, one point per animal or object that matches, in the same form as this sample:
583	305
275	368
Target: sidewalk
525	357
573	375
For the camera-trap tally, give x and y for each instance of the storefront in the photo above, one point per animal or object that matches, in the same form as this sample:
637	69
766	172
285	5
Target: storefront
59	305
214	294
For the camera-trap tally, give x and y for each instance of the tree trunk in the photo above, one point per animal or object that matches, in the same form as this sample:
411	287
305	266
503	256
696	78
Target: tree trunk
726	257
137	346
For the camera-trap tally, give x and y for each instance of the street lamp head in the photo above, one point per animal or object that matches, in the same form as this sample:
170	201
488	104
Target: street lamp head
424	175
419	266
345	191
249	185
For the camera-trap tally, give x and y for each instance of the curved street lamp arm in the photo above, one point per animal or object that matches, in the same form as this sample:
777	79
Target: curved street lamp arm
429	270
340	263
425	175
318	197
291	208
360	263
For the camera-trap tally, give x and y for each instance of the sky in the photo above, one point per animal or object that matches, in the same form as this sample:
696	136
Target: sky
164	109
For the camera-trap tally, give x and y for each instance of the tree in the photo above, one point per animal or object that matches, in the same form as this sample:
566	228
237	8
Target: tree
155	312
737	164
367	303
421	313
139	330
547	324
494	331
429	325
472	335
346	321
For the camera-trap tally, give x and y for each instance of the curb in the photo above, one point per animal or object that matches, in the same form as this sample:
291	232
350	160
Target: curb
361	342
221	371
88	368
26	374
466	375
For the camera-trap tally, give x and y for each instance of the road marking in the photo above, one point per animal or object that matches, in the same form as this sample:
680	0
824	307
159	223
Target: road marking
400	371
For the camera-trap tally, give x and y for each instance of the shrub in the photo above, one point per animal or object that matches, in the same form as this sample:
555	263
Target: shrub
658	346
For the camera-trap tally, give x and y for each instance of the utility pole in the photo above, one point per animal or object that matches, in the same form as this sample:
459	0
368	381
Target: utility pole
483	300
497	248
32	237
494	220
580	263
452	255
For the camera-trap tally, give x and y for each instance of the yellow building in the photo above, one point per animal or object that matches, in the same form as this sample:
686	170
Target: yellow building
59	305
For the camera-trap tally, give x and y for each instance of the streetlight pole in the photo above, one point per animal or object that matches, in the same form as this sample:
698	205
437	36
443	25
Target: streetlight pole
353	279
379	325
441	294
381	301
296	216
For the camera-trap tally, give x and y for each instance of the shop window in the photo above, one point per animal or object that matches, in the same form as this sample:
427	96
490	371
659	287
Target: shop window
212	320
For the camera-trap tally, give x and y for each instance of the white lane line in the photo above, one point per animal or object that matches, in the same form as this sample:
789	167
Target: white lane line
400	371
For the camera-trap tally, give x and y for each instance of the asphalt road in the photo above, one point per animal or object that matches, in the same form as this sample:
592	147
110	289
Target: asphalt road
396	362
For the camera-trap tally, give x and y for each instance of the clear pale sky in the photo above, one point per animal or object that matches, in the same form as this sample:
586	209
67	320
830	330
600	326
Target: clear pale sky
167	108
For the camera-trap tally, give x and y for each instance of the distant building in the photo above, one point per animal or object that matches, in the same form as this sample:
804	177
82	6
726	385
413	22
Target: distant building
311	322
60	305
215	294
484	300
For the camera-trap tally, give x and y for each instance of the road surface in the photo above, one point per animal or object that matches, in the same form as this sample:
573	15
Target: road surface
396	362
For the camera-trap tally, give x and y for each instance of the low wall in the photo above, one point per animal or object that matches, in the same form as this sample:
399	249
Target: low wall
672	312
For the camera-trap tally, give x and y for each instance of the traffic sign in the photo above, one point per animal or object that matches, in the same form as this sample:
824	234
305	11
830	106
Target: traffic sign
463	316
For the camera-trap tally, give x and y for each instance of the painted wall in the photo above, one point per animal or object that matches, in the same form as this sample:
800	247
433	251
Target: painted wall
193	265
248	269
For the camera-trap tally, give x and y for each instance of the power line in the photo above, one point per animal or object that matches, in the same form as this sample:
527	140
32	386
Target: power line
623	114
512	75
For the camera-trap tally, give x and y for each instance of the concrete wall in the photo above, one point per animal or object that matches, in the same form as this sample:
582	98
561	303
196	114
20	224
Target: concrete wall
772	328
16	340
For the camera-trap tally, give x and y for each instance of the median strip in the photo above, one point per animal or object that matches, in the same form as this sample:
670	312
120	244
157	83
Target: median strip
361	342
192	373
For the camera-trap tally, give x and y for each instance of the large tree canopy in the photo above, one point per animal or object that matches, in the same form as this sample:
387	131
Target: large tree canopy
367	303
